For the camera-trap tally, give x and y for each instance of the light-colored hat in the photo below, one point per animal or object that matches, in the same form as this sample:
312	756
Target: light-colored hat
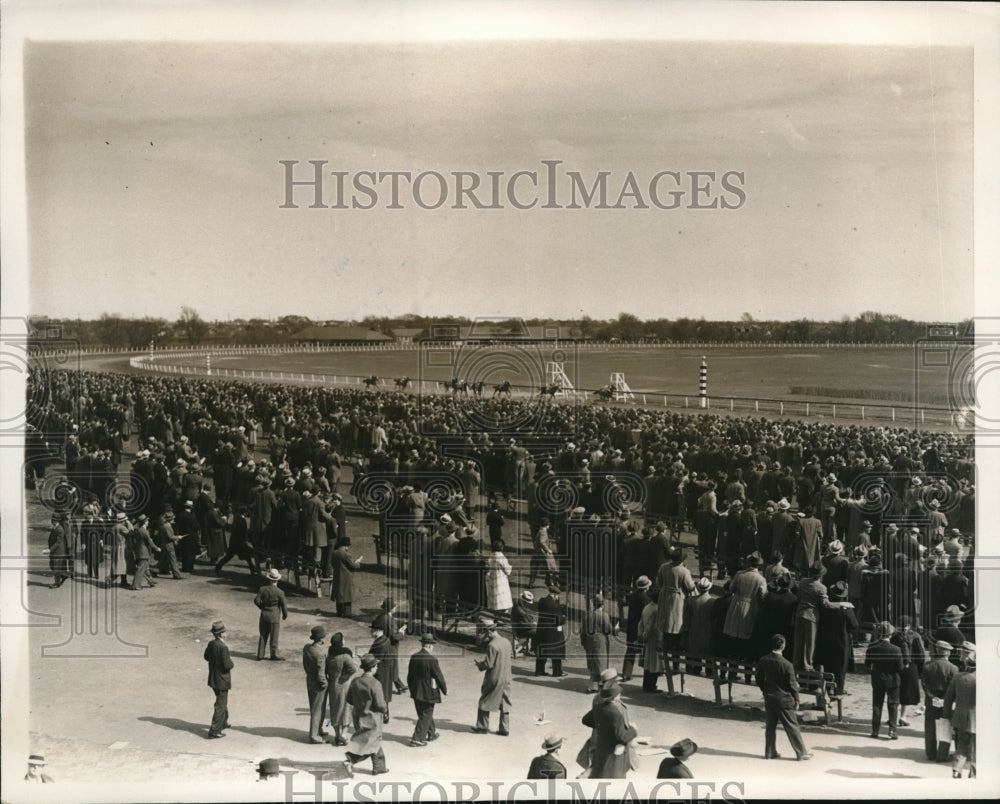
943	647
643	582
488	624
273	574
703	584
445	518
609	675
552	742
218	627
783	504
368	661
527	597
836	547
579	510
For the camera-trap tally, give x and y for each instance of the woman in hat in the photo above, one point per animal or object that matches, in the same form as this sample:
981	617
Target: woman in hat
369	711
911	645
673	767
341	669
547	766
498	569
834	640
697	628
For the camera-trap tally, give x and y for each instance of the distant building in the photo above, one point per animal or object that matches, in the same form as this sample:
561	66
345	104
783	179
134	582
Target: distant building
342	336
406	335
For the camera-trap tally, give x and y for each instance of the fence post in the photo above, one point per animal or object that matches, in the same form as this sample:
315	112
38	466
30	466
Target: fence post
756	406
863	412
835	411
782	404
894	414
807	408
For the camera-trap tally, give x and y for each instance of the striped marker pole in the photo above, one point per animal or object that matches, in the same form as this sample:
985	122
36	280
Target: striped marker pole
703	382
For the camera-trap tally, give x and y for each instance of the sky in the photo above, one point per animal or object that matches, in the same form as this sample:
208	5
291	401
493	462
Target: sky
154	179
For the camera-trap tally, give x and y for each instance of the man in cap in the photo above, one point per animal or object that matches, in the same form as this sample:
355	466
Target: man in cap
776	679
35	764
547	766
219	665
935	679
368	709
885	661
595	637
427	685
496	688
314	663
273	609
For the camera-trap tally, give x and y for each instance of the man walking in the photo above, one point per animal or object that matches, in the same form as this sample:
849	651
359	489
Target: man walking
776	679
142	548
496	682
885	661
219	665
273	609
595	637
314	663
427	685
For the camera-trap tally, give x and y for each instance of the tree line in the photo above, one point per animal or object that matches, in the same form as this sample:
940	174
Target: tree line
117	331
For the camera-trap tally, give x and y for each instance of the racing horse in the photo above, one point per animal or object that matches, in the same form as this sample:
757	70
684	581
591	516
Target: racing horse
606	393
371	382
402	383
502	388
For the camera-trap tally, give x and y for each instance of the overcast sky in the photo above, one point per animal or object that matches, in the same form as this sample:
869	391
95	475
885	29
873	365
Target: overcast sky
154	179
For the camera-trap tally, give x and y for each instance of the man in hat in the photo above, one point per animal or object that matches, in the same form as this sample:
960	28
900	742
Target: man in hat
937	676
638	599
389	664
273	609
812	597
60	560
960	709
547	766
314	663
219	665
673	767
268	769
427	685
188	531
885	661
168	539
835	563
35	764
611	756
368	708
550	640
344	567
776	679
523	623
808	542
496	688
142	548
595	637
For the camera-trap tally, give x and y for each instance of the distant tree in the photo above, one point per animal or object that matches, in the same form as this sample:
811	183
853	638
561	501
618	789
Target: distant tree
191	326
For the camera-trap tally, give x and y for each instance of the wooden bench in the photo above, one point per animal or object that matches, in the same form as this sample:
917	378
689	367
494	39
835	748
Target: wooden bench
824	687
733	671
683	660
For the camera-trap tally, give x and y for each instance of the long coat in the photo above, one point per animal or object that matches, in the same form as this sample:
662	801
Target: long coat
385	673
674	582
341	670
497	586
343	576
550	639
497	677
749	588
960	702
314	519
698	624
833	639
651	636
367	706
595	636
611	726
59	555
